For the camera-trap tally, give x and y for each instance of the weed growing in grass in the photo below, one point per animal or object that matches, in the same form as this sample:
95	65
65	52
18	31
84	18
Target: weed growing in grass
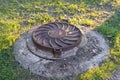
86	22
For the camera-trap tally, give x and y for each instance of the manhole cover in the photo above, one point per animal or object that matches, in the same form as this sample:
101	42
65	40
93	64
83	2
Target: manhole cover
69	54
56	37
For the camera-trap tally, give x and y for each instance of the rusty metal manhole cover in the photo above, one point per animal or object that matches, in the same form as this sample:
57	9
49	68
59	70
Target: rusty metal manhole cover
56	37
89	52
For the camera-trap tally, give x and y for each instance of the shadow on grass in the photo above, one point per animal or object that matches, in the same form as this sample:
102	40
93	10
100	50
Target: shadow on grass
111	29
11	70
7	64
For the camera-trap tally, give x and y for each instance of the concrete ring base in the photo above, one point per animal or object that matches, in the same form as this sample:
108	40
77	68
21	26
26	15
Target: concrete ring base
89	54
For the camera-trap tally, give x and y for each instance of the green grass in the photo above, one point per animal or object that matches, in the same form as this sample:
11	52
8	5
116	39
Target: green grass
18	16
112	36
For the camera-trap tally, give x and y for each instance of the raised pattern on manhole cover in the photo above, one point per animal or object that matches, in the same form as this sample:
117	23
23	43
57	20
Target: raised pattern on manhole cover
57	37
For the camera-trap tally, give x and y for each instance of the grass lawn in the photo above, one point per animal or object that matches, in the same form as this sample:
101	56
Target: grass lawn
18	16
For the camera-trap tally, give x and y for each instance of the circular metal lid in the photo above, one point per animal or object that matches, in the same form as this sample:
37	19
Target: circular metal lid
58	36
